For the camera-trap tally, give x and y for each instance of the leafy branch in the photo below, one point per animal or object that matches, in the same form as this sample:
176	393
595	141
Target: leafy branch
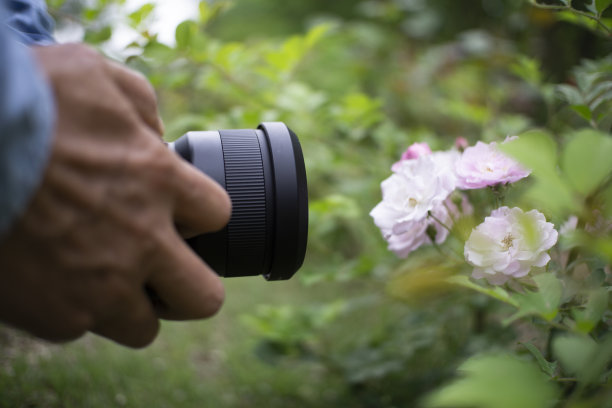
595	9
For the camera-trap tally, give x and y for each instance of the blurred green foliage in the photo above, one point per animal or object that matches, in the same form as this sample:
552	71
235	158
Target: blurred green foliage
359	81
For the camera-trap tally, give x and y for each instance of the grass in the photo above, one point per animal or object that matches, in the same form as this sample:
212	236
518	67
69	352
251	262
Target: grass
209	363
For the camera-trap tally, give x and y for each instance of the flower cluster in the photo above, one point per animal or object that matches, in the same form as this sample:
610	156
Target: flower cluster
417	209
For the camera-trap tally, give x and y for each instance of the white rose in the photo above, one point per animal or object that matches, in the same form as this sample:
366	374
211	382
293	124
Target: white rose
416	188
508	243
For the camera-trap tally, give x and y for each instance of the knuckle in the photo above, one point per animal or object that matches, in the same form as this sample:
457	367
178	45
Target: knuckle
152	159
146	87
161	168
85	55
137	85
83	49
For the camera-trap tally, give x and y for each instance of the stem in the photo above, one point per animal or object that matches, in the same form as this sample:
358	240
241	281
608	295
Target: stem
558	326
569	380
498	192
450	213
436	219
445	254
579	12
440	251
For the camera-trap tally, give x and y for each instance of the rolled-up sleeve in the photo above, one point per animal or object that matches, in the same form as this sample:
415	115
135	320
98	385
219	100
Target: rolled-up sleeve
26	123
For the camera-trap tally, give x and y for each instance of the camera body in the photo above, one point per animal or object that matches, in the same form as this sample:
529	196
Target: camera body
264	174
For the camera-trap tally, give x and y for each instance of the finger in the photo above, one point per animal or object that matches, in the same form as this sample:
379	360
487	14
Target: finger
136	326
140	92
201	205
185	287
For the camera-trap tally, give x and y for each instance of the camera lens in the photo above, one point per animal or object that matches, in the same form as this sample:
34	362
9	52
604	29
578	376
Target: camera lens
263	172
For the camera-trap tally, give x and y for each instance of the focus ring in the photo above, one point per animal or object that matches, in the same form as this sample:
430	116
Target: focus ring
245	184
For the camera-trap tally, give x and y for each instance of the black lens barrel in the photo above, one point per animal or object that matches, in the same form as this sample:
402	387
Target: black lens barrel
264	174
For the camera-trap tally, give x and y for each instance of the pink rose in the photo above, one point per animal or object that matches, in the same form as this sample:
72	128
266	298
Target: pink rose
461	143
414	151
485	165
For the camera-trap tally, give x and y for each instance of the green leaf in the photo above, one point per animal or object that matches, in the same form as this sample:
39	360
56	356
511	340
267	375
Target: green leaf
499	381
137	17
586	160
570	94
92	14
358	111
98	36
590	6
588	80
546	366
55	3
545	302
584	111
598	90
588	318
574	352
336	204
601	5
528	69
208	11
539	3
552	195
205	11
603	246
316	33
581	356
185	34
537	151
607	201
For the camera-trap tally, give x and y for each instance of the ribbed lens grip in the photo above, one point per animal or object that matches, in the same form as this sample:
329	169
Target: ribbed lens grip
245	183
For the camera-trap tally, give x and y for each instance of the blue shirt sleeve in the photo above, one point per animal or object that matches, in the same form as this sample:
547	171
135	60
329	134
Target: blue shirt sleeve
30	21
26	123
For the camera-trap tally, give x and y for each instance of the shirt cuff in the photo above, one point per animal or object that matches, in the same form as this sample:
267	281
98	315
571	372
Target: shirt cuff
27	116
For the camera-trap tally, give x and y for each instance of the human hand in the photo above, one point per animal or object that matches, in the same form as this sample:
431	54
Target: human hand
103	224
